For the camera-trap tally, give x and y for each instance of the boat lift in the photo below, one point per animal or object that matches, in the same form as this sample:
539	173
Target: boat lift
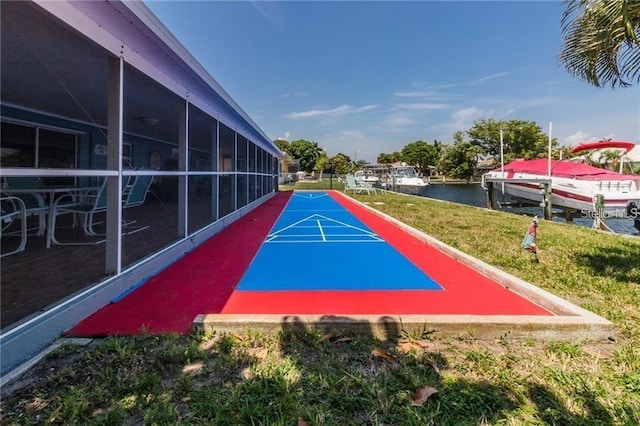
545	191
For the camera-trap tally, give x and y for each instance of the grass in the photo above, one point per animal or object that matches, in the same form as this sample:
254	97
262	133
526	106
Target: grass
319	379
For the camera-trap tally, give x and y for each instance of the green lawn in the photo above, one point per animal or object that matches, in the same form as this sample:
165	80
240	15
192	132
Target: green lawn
321	379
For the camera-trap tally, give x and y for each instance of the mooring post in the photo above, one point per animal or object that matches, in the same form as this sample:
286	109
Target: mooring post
545	191
490	195
547	202
600	217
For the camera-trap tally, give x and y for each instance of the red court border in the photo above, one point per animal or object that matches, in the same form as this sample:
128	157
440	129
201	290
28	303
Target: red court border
466	291
203	282
200	281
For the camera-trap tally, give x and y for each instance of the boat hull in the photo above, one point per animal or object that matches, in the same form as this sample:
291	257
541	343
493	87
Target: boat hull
408	189
619	197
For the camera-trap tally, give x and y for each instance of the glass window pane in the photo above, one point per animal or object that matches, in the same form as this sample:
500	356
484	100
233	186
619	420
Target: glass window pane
202	140
202	201
18	146
252	157
151	225
242	154
227	149
226	195
242	190
252	188
56	150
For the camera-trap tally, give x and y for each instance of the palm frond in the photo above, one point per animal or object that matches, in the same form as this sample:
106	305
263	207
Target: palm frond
602	41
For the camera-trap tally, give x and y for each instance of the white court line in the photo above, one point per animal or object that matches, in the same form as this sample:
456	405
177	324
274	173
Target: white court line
311	196
321	231
314	216
325	242
368	237
315	210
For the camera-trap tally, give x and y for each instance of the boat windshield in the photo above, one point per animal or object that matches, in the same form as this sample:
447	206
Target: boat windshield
406	172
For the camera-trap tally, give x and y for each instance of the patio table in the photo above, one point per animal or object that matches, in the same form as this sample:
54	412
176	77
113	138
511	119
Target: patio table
52	192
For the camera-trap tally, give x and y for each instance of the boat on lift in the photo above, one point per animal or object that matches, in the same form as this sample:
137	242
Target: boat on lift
574	185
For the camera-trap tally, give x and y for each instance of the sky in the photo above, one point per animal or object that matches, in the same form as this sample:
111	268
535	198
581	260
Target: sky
364	78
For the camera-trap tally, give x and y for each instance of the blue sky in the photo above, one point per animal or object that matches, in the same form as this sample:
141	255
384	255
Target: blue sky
369	77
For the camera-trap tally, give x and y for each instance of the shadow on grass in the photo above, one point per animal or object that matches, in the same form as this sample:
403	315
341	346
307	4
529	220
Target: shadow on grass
307	374
553	411
620	262
371	389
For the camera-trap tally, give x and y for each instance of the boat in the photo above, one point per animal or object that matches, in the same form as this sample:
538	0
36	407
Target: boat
575	186
405	179
371	174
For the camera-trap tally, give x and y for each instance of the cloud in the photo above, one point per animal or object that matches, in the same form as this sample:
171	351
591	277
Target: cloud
335	112
271	12
490	77
583	137
463	119
349	134
466	114
419	106
432	95
412	94
394	123
577	138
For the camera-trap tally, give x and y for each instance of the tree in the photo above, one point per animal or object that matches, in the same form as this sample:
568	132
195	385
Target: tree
460	160
359	164
383	158
322	163
521	139
283	145
305	151
440	149
341	164
419	154
602	41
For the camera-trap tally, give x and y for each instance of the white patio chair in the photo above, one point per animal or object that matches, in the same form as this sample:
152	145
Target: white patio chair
135	196
357	187
84	205
34	203
13	208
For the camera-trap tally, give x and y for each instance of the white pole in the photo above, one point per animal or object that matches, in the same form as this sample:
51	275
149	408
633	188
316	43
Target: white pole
501	154
549	162
502	158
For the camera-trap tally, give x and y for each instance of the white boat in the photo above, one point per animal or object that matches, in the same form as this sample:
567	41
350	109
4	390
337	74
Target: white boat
405	179
367	178
574	185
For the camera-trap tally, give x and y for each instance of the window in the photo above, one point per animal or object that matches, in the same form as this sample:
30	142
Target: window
18	146
30	146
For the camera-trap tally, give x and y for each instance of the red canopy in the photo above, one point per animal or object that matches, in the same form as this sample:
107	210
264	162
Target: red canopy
627	146
565	169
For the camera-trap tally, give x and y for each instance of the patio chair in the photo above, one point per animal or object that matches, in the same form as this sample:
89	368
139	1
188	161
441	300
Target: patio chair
85	205
352	184
13	208
35	203
135	196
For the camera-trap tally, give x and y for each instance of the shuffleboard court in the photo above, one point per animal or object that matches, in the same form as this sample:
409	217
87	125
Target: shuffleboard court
327	255
326	248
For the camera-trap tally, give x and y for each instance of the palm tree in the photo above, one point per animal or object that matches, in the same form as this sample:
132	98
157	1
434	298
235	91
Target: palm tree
602	41
322	163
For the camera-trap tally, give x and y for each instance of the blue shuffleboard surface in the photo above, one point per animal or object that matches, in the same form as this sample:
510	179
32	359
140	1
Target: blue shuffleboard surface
318	245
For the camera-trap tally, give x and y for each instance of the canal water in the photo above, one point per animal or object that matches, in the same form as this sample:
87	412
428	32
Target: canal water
475	195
